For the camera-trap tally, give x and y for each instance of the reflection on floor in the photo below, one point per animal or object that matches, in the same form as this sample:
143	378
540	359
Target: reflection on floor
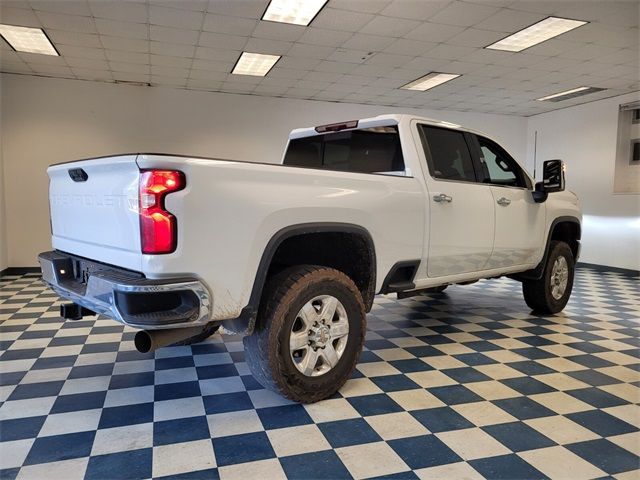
462	384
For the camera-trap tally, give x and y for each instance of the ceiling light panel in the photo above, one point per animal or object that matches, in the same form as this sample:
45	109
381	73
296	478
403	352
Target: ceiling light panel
296	12
574	92
537	33
429	81
27	39
256	64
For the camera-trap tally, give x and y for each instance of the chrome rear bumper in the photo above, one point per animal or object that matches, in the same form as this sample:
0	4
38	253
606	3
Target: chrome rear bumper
125	296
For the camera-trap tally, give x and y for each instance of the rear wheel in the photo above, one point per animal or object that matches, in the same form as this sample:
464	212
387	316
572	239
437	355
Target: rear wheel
309	335
551	293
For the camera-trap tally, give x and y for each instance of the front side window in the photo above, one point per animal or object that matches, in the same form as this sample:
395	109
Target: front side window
447	154
499	167
368	150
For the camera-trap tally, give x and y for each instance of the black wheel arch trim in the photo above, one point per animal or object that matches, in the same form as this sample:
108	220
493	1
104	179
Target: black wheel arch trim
245	322
537	272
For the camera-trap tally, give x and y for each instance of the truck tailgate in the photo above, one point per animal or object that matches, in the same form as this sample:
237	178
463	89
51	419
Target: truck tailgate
94	209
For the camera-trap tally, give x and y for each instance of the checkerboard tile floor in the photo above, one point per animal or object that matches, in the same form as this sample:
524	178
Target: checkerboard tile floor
465	384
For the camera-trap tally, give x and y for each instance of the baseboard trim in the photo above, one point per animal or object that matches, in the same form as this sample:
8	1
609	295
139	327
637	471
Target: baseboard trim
19	271
603	268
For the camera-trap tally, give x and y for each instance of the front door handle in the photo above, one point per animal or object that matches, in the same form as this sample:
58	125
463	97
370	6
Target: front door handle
442	198
504	201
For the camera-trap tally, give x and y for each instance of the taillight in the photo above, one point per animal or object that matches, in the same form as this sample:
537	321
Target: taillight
158	229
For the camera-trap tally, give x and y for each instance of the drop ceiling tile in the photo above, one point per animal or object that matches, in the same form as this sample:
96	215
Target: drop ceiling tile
278	72
450	52
237	88
270	47
169	71
74	38
358	80
228	24
278	81
298	63
253	9
19	16
463	14
322	36
414	9
522	59
69	23
207	75
615	13
333	19
278	31
131	77
336	67
434	32
215	54
426	64
203	84
312	84
172	49
553	47
129	67
461	67
131	57
173	35
371	71
125	11
301	92
35	59
168	61
409	47
404	74
270	90
65	7
393	60
602	34
329	77
118	28
310	51
219	40
165	81
508	21
472	37
126	44
175	17
80	52
195	5
90	74
54	71
372	43
328	96
93	64
201	64
390	27
590	52
349	56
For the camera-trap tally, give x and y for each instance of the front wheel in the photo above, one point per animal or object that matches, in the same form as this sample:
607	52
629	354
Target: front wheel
551	293
309	334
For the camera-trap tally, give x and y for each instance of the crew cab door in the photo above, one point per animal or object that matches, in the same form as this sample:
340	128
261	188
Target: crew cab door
519	221
461	210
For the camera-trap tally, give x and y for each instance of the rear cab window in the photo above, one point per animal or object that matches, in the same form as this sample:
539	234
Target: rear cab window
375	150
448	154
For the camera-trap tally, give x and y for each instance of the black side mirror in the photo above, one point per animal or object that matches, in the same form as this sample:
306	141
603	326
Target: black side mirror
552	180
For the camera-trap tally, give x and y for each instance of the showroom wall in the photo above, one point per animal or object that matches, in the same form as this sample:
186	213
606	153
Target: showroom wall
585	137
48	120
3	218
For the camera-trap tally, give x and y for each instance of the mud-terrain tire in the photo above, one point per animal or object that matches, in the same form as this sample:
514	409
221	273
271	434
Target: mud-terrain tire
551	292
293	350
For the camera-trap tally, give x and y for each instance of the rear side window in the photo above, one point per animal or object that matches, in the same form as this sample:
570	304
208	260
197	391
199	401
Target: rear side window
447	154
368	150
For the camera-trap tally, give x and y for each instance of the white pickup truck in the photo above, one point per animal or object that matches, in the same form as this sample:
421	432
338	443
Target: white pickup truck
292	255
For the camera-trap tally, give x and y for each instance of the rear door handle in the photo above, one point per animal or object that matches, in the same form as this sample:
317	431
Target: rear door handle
504	201
442	198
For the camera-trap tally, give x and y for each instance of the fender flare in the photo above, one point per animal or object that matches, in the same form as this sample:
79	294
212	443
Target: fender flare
536	273
244	324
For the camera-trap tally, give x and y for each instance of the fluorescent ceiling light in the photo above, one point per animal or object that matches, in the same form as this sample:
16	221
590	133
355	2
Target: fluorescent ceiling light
574	92
430	80
255	64
297	12
27	39
537	33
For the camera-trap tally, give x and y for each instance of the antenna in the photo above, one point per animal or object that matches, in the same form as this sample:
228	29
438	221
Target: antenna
535	151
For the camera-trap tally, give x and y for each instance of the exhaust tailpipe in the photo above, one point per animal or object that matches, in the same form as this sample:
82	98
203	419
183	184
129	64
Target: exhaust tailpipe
149	340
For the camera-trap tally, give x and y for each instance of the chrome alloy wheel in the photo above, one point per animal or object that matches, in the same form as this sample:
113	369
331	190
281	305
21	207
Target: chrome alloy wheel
319	335
559	277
